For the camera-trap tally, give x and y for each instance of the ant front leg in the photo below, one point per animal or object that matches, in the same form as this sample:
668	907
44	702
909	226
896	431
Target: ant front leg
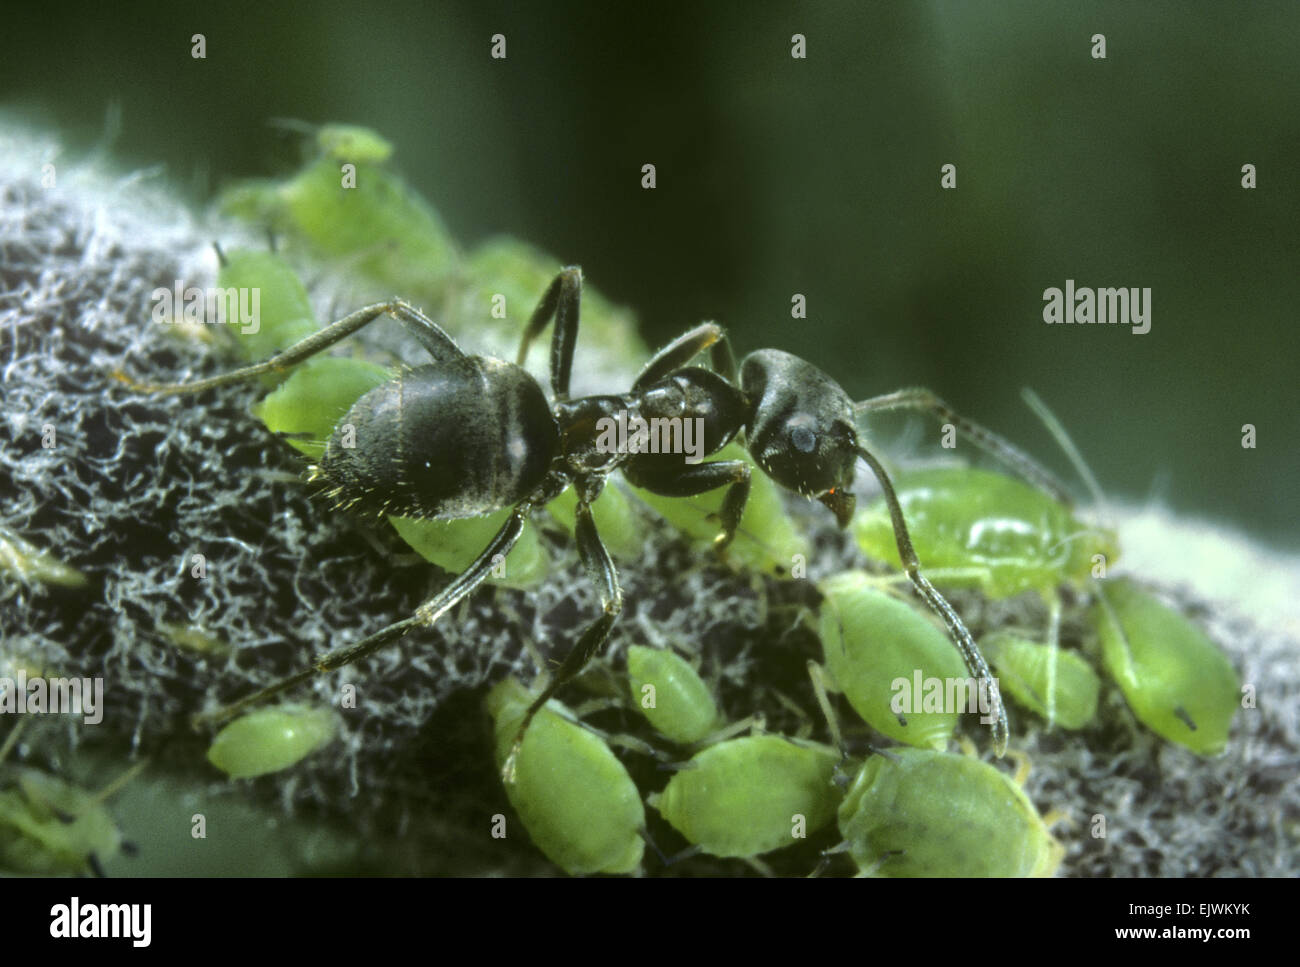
600	568
437	343
992	443
957	630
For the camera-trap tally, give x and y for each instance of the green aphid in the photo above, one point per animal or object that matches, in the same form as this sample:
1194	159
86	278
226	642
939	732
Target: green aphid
977	528
270	740
1065	693
32	566
671	695
454	544
316	397
574	797
1176	680
502	278
897	668
351	142
766	539
919	812
51	828
346	204
284	312
617	519
256	200
194	638
383	229
749	796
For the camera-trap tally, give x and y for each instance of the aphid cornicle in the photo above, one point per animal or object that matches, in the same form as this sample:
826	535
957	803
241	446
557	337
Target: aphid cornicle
464	435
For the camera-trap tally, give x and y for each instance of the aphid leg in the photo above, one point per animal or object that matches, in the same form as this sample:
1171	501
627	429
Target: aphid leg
600	568
1053	644
970	652
438	344
685	854
841	777
825	859
649	841
1023	767
562	299
919	398
681	351
11	739
424	616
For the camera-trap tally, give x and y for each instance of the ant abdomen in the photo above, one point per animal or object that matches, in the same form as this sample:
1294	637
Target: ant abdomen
453	439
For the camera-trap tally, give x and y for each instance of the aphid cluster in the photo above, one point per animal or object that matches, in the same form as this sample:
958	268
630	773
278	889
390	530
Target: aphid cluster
463	436
468	435
49	826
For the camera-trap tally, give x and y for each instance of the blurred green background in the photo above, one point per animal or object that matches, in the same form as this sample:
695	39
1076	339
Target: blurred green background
818	176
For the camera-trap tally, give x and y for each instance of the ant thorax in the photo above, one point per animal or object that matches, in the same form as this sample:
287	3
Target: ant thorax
586	442
601	433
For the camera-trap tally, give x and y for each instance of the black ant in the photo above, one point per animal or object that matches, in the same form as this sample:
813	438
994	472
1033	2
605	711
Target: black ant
466	435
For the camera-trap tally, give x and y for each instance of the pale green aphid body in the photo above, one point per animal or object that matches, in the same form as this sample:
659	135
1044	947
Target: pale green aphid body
270	740
920	812
23	561
976	528
51	828
749	796
671	695
1176	680
878	650
1025	673
574	797
285	313
351	142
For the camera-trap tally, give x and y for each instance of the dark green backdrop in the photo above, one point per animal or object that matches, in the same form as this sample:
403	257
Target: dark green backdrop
818	176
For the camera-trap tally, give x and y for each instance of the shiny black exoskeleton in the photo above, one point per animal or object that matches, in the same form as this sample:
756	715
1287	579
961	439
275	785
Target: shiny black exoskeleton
466	435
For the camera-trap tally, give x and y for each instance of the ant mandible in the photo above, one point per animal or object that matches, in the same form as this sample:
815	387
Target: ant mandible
467	435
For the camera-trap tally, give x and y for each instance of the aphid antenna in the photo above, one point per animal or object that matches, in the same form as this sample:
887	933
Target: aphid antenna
11	739
1079	535
110	790
1063	440
296	125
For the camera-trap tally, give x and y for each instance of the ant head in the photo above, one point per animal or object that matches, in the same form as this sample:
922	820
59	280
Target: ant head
802	430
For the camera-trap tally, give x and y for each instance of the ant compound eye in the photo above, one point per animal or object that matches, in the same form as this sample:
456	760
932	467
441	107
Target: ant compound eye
803	439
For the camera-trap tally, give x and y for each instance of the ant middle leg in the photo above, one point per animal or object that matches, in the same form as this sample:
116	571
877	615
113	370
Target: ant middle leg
600	568
692	480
